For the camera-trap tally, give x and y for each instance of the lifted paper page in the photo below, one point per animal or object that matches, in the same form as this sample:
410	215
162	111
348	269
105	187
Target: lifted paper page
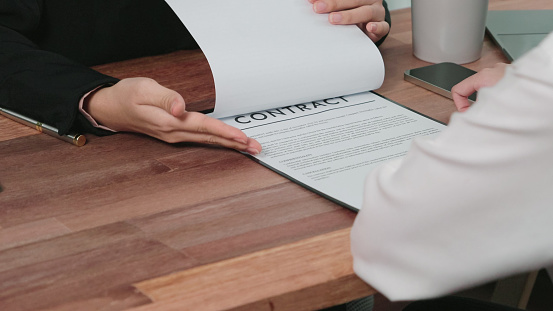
330	145
265	54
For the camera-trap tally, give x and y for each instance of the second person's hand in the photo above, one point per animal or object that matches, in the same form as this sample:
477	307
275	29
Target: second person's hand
486	77
367	14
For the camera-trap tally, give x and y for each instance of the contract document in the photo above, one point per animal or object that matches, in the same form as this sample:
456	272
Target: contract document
330	145
301	87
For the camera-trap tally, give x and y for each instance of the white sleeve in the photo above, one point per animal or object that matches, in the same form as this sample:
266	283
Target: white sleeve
471	205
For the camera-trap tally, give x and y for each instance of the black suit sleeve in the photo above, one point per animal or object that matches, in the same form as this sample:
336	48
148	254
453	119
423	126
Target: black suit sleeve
39	84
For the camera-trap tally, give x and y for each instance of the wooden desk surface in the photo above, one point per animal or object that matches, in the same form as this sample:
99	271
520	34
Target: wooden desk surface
129	222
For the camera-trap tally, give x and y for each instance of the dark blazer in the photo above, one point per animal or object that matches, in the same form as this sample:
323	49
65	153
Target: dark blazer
46	47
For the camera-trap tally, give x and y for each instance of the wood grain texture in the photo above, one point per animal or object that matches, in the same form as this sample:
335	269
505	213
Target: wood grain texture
191	226
90	264
247	279
232	246
10	129
30	232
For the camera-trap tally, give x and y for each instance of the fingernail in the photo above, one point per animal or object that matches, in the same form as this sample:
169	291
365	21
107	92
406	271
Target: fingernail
335	18
240	141
320	7
372	27
252	151
174	106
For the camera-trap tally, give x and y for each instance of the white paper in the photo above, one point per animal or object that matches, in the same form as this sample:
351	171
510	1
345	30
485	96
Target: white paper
265	54
330	145
268	54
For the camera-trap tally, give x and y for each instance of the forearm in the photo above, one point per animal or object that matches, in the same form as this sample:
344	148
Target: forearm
472	205
43	85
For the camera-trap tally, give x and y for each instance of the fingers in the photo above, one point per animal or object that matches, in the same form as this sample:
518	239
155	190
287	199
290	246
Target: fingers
462	90
160	96
327	6
252	147
460	95
349	12
358	15
190	127
367	14
487	77
199	128
144	106
178	107
377	30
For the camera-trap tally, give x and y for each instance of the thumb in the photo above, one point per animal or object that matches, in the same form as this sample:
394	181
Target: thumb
377	30
177	106
172	102
166	99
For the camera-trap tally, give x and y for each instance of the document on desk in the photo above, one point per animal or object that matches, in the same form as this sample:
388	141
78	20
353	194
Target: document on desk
300	86
330	145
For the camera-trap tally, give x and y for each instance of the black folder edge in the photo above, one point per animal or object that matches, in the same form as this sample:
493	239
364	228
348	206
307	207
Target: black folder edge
324	195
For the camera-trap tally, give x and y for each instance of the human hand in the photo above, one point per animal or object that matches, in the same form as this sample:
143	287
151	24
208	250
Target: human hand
142	105
367	14
486	77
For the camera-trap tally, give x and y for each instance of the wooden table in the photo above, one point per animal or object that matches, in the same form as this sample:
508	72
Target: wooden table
129	222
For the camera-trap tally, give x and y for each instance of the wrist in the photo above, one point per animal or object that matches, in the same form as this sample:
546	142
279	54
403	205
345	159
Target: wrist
92	105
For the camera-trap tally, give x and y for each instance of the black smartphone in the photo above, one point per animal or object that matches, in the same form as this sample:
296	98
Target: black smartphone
439	78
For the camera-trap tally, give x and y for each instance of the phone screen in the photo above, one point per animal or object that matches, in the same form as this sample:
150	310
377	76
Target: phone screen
439	78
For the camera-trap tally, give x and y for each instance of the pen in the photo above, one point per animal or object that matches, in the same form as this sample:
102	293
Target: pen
73	138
